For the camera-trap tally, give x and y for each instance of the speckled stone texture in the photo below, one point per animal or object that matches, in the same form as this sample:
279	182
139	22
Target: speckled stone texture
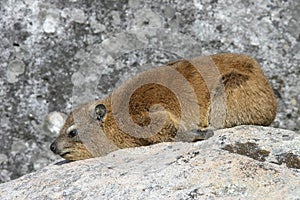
226	166
57	54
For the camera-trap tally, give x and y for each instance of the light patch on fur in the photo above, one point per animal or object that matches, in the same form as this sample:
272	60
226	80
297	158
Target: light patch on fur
71	128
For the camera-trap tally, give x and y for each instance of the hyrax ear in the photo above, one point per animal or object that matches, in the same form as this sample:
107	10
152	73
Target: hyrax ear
100	111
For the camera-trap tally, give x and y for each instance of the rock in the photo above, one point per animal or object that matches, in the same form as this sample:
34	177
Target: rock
14	69
3	158
18	146
50	24
245	162
147	18
54	122
78	15
56	55
116	17
5	175
96	26
134	3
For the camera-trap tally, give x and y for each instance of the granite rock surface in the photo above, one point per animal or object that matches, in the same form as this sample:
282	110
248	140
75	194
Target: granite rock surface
245	162
58	54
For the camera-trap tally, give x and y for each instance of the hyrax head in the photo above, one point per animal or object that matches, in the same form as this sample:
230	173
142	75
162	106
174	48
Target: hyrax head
81	133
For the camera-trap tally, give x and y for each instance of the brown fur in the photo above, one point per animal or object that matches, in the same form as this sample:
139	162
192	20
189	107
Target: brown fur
248	95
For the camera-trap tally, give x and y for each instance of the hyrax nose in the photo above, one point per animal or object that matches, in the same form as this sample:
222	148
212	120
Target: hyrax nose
53	147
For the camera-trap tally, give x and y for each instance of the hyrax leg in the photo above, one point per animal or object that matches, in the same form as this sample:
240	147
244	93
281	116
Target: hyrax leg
172	131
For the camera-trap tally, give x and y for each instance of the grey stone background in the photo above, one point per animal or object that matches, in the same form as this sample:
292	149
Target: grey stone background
54	53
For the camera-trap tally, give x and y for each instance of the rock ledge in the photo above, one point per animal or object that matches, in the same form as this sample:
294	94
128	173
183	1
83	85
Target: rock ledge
242	162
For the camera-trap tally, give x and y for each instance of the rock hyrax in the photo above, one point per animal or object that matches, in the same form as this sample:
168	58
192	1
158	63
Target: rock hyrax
168	104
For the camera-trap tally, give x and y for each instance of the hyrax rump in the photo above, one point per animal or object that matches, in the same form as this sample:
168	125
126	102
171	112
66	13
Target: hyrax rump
167	104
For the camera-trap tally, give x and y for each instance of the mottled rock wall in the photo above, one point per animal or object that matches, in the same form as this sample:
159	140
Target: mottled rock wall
245	162
56	52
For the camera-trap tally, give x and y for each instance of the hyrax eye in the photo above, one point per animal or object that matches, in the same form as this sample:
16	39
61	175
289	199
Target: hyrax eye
73	133
100	111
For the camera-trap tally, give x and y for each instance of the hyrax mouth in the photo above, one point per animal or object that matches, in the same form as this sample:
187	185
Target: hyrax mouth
64	154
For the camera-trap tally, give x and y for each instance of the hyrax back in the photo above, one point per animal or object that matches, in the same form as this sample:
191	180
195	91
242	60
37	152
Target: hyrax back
167	103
